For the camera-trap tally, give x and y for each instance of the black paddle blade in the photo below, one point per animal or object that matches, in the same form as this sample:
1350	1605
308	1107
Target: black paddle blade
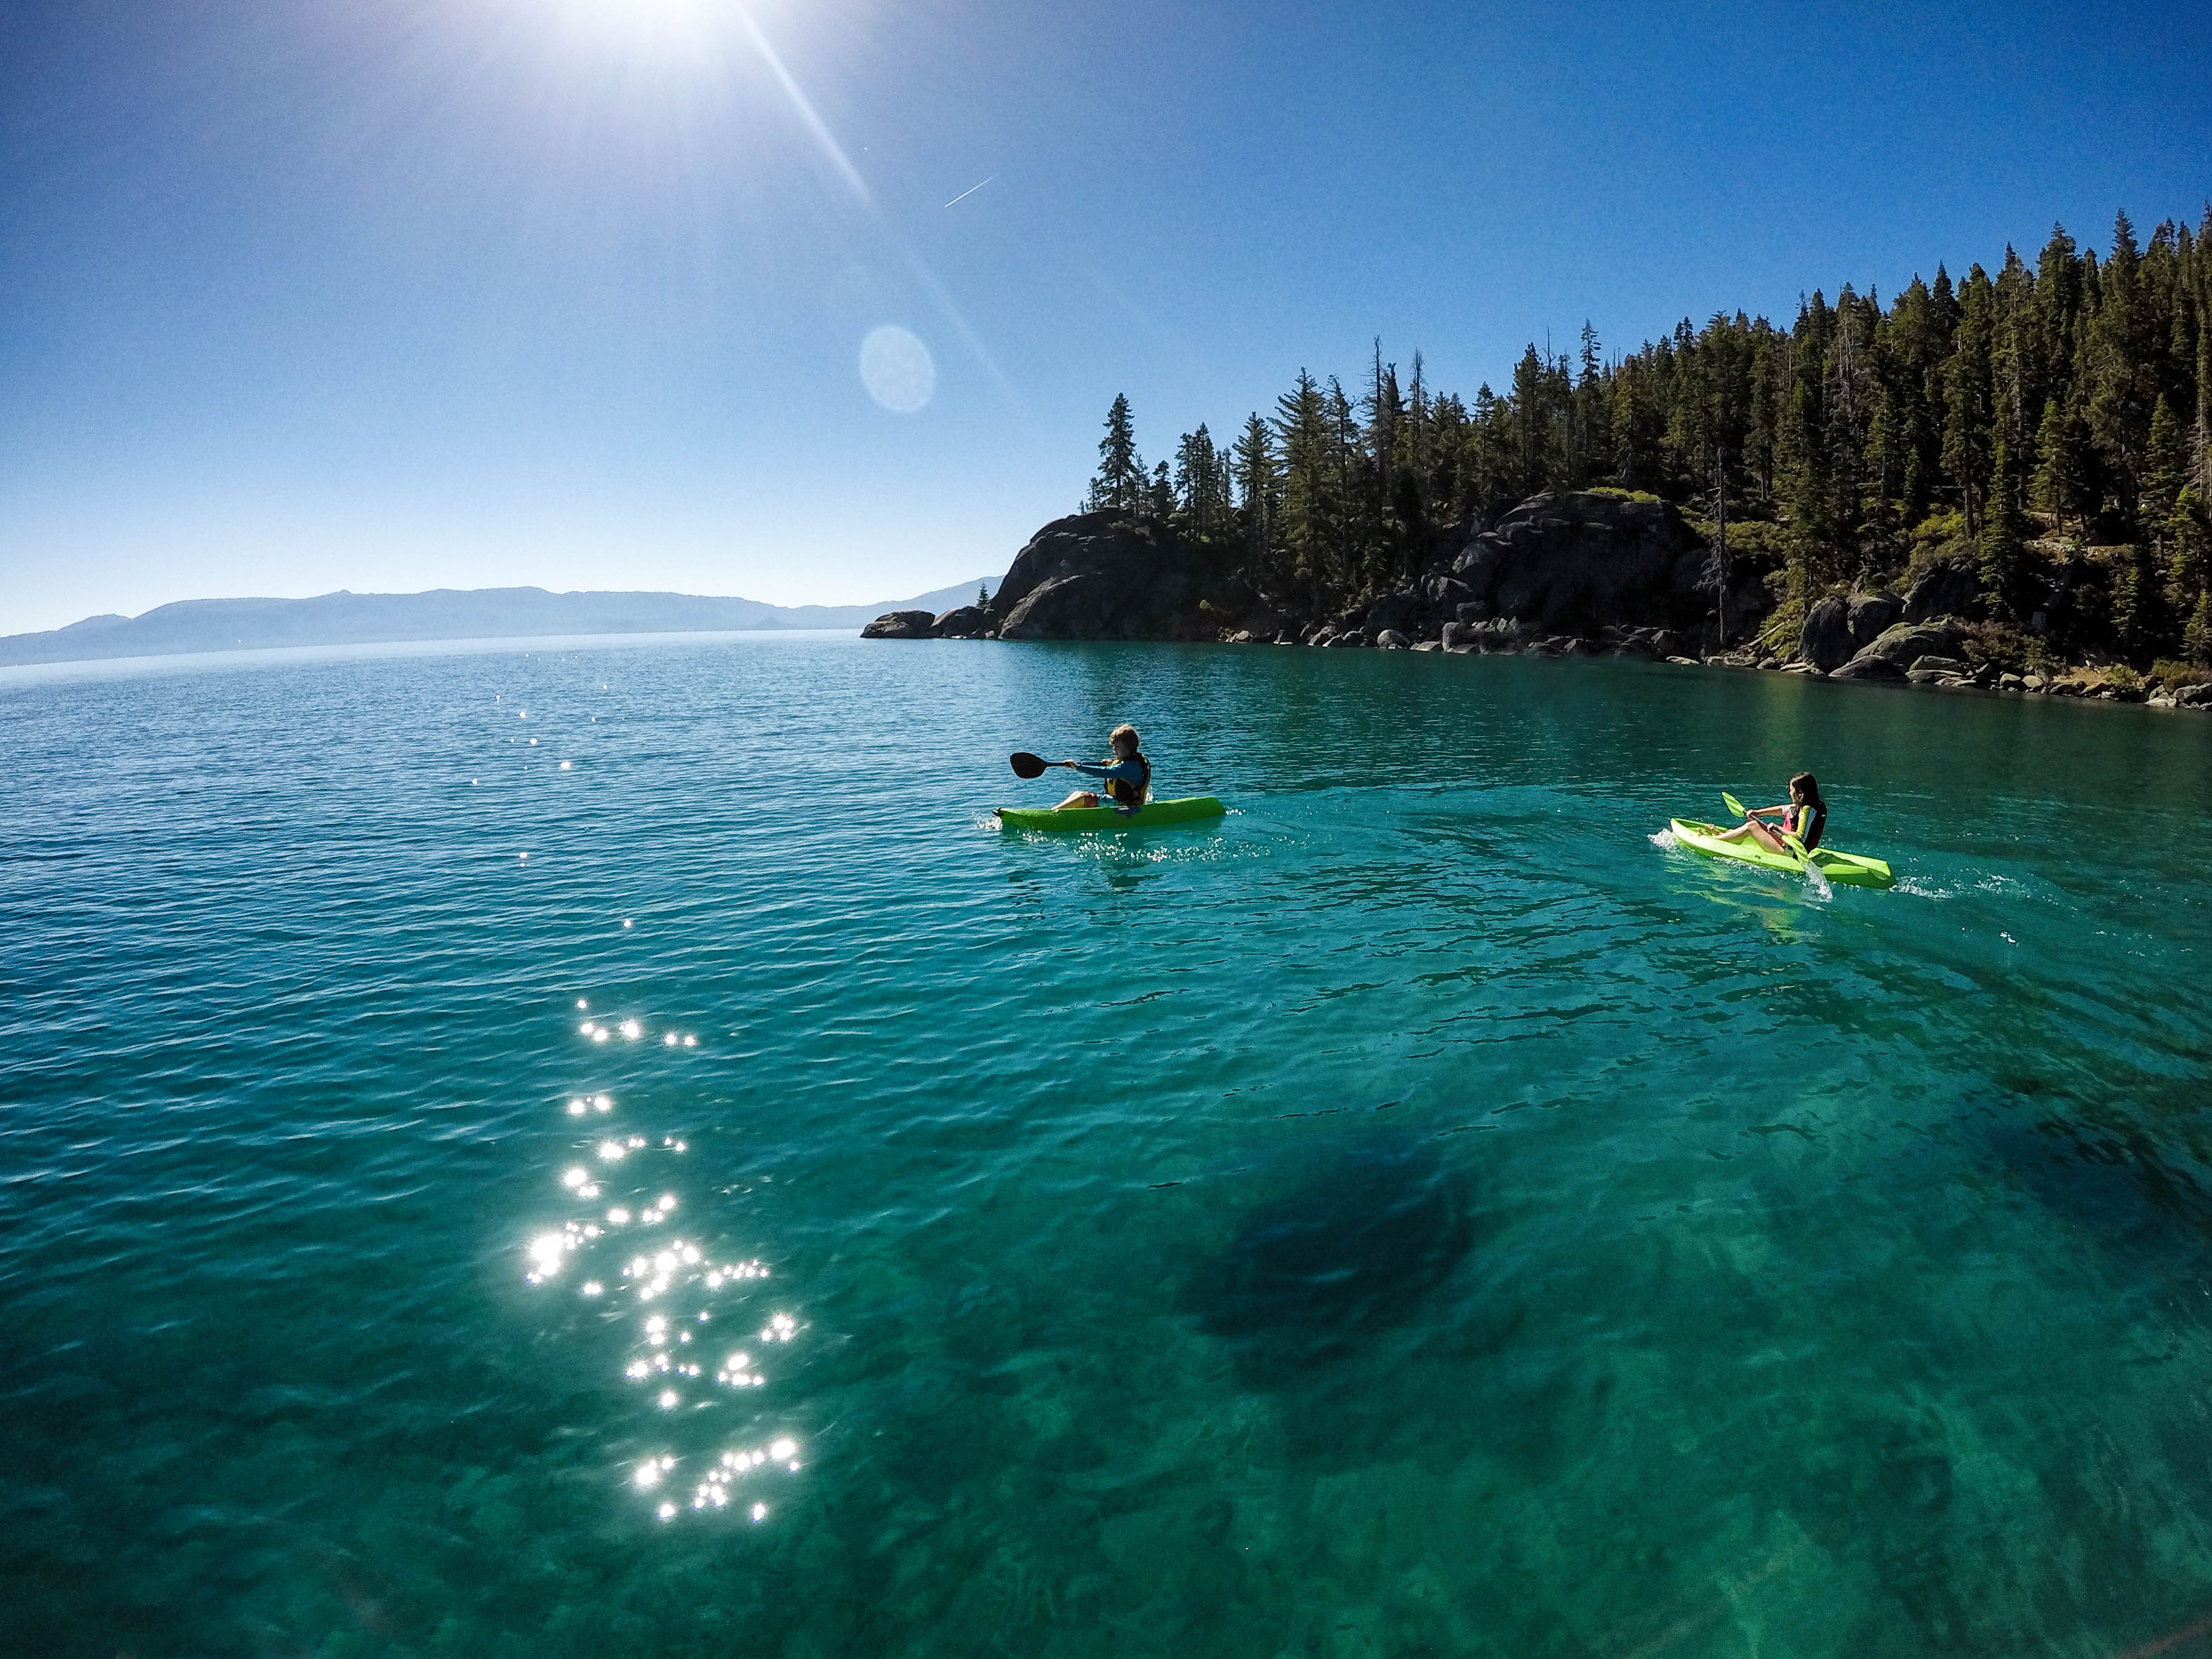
1027	765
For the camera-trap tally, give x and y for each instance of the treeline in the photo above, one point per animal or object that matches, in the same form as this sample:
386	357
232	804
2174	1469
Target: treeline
2052	422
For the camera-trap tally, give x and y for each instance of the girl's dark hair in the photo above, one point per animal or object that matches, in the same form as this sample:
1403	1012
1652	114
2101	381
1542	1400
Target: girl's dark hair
1812	789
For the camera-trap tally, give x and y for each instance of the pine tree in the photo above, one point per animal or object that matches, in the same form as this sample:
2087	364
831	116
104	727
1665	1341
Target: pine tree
2117	351
1201	490
1259	476
2064	485
2003	545
2166	464
2196	637
1967	399
1308	530
1119	484
2189	570
1159	496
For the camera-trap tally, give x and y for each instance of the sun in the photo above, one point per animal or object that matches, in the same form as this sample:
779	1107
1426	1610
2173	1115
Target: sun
672	29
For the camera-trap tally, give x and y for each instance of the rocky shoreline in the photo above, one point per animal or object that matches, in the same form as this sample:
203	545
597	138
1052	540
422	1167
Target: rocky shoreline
1589	572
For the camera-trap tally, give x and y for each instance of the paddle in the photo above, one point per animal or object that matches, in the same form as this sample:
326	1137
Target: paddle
1027	765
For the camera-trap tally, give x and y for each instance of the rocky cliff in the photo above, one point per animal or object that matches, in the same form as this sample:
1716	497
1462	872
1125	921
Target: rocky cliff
1089	576
1585	565
1589	570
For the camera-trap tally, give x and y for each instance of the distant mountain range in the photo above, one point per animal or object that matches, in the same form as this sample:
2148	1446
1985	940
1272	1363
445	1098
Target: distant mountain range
445	613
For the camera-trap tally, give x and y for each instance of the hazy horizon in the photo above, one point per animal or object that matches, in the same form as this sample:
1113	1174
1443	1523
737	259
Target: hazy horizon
816	304
947	590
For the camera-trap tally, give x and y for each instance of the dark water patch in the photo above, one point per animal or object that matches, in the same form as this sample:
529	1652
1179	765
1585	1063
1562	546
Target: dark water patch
1354	1250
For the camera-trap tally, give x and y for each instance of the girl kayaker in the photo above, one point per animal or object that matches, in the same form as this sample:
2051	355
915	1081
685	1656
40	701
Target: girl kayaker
1804	815
1127	776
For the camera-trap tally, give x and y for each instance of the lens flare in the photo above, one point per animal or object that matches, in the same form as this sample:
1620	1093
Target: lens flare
898	369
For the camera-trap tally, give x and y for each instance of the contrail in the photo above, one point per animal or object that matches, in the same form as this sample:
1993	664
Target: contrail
966	193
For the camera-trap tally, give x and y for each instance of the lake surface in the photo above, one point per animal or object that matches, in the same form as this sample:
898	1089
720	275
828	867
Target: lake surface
604	1149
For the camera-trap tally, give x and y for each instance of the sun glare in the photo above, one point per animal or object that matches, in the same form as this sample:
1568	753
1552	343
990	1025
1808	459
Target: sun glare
670	29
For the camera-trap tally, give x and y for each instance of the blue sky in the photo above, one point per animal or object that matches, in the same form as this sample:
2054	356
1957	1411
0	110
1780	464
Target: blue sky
389	295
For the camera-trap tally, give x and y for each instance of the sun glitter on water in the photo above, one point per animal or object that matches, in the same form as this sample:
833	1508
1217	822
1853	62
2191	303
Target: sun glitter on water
676	1285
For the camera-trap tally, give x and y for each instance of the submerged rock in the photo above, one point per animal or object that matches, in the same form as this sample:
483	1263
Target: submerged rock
1355	1248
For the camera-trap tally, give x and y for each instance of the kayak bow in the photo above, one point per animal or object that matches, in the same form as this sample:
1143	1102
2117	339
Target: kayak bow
1849	868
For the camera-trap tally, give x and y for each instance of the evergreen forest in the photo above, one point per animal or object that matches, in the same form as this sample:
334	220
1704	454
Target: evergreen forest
2052	423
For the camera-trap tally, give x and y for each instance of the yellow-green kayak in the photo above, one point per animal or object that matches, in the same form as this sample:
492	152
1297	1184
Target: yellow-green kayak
1110	818
1849	868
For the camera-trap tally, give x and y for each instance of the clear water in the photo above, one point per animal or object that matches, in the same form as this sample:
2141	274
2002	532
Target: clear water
1417	1214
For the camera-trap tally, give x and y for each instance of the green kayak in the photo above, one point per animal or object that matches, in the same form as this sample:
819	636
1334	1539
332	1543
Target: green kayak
1845	867
1110	818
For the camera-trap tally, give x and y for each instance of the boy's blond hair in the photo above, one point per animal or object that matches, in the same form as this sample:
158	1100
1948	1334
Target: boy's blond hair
1124	731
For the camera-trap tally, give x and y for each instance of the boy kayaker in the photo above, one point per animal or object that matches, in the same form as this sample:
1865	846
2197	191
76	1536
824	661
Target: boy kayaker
1804	815
1128	777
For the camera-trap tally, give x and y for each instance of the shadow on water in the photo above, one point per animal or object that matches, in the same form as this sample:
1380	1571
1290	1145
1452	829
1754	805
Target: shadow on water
1354	1250
2140	1193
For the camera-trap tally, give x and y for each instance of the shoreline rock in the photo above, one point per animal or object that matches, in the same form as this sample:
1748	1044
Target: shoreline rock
1583	573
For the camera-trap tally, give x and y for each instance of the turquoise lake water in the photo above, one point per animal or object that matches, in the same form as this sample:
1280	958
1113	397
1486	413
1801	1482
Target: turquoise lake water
1417	1214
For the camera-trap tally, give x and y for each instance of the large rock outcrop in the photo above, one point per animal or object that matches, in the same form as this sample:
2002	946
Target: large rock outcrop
1837	630
1826	642
1582	563
1871	613
899	625
963	622
1892	653
1950	587
1099	576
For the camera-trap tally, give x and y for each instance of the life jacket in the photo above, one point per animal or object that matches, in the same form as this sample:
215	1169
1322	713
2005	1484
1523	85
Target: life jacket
1128	794
1798	817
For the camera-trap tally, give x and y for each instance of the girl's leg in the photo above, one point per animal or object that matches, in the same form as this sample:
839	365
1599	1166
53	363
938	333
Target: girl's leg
1080	798
1765	838
1758	832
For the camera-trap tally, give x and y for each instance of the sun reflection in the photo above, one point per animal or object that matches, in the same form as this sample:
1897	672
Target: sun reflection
673	1285
713	1491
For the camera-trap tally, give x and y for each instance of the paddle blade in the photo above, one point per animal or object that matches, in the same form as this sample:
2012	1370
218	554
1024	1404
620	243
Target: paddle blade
1027	765
1734	804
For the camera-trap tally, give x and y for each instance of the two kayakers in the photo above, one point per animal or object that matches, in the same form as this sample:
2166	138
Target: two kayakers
1128	777
1804	815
